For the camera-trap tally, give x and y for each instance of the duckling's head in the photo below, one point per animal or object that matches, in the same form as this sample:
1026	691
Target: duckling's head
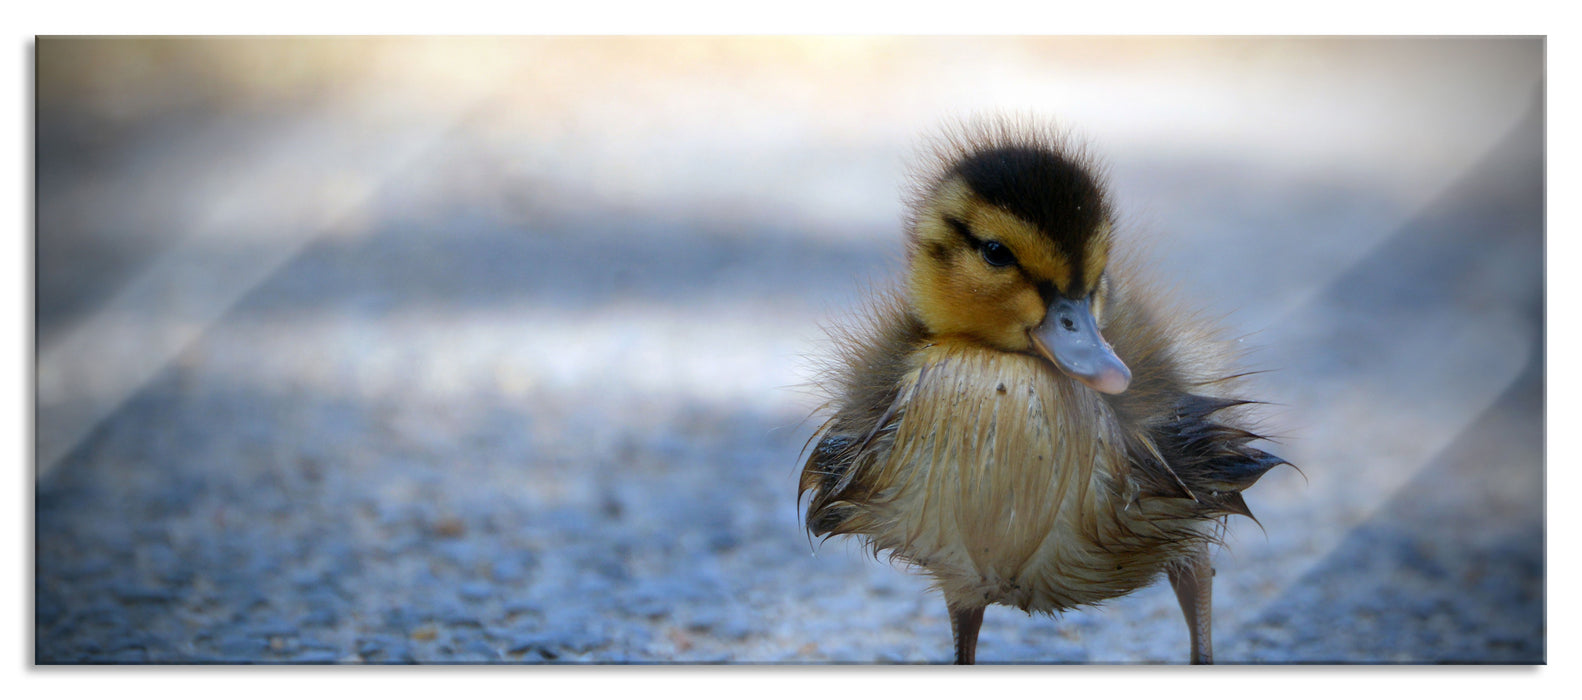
1009	241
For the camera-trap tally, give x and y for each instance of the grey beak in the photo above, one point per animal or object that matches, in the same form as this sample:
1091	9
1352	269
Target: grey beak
1069	337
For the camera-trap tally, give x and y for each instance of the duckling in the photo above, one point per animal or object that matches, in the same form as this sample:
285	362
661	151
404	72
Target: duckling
1025	419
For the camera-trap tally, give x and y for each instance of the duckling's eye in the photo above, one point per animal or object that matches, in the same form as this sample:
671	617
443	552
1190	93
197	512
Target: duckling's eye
997	254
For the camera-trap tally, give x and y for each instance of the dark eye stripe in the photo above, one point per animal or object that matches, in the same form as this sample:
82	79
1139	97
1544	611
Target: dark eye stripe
994	252
960	227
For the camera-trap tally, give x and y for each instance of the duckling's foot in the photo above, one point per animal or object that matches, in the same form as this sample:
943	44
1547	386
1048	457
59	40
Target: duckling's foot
1193	580
964	624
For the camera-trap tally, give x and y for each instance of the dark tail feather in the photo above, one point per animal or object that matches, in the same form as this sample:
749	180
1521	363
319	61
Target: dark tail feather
1194	405
1210	458
1239	470
1234	504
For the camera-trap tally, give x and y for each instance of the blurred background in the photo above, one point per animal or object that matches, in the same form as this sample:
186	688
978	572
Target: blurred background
479	350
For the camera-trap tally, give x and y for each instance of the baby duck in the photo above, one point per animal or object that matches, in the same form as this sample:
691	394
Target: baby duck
1026	420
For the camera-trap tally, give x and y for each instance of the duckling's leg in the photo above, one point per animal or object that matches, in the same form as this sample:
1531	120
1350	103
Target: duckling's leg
1193	580
964	624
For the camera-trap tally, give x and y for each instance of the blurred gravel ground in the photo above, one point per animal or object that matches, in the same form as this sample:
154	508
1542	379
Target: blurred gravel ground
363	373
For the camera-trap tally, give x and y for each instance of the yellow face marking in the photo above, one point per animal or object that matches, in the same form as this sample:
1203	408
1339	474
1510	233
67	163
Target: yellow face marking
953	290
1096	256
1033	251
1101	297
952	198
957	293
